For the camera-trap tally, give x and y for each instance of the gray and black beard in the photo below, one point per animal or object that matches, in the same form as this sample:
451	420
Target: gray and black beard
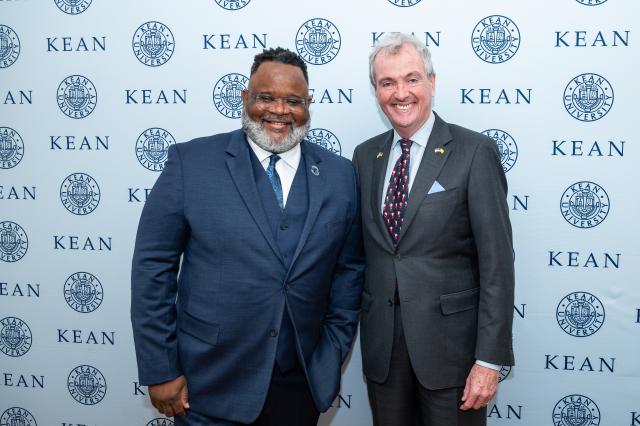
256	132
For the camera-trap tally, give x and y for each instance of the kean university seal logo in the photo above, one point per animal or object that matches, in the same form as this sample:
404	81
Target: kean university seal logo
576	410
80	193
16	416
591	2
83	292
227	94
153	43
495	39
160	421
9	46
504	372
404	3
77	97
13	242
152	148
588	97
15	337
580	314
318	41
87	385
584	204
325	139
232	5
73	7
506	146
11	148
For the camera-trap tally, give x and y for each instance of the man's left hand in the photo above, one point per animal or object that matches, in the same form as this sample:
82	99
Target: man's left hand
481	387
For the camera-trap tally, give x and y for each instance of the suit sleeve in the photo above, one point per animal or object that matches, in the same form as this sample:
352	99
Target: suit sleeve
489	216
160	241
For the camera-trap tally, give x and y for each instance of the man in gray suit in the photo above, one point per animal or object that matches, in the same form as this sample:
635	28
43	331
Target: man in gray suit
437	307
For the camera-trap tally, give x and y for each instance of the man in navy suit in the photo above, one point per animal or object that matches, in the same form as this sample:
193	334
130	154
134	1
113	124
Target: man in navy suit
247	271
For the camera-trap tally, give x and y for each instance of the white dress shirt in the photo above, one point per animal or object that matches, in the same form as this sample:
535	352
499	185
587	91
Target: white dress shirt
286	166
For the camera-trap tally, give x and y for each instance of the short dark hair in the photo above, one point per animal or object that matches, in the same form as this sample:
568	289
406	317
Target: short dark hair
279	54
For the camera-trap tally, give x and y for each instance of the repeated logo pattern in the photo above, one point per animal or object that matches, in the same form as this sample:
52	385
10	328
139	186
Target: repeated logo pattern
588	97
507	147
580	314
17	416
576	410
584	204
11	148
495	39
13	241
153	43
318	41
83	292
15	337
73	7
9	46
87	385
227	94
80	193
77	97
326	139
152	148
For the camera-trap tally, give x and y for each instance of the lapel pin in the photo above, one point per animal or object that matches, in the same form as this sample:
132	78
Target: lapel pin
380	154
439	150
315	170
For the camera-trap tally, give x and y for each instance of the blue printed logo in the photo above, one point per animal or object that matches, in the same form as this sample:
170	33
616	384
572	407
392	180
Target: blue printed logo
152	148
15	337
591	2
13	242
77	96
504	372
325	139
576	410
495	39
83	292
73	7
227	94
580	314
404	3
87	385
160	421
584	204
16	416
318	41
9	46
588	97
11	148
153	43
80	193
232	5
507	147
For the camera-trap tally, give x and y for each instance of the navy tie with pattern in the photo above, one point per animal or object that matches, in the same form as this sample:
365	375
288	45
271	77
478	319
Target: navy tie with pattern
274	178
395	201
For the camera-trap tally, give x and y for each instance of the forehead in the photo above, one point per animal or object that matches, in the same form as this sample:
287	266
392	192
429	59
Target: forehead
405	61
276	76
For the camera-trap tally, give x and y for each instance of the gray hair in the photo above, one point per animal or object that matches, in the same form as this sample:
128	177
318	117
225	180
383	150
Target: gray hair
392	42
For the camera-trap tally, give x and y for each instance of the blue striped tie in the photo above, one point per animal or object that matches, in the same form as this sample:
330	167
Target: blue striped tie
274	178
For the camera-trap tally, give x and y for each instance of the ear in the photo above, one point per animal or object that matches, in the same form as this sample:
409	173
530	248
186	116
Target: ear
245	96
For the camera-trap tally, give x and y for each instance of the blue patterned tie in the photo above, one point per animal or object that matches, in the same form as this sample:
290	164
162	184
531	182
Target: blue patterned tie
274	178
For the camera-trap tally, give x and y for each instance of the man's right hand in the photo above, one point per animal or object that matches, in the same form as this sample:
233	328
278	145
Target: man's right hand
170	398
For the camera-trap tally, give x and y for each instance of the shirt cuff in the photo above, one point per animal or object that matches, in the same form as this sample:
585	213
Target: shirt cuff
488	365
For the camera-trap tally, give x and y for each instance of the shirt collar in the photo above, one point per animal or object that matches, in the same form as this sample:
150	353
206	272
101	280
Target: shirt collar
421	137
291	157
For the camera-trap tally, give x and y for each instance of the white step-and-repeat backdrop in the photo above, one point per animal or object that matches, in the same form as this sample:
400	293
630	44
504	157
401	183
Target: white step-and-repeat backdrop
92	92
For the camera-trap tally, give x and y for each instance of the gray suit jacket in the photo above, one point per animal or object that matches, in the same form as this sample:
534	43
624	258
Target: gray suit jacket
453	264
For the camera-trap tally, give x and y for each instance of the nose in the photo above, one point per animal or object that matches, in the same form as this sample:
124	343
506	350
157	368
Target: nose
401	91
278	107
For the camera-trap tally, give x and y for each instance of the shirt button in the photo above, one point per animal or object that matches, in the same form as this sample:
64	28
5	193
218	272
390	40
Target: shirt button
390	302
273	332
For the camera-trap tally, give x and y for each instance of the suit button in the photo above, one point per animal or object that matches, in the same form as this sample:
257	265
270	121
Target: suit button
285	286
398	257
273	332
283	226
390	302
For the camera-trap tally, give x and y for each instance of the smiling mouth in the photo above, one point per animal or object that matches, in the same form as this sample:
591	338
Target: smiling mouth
404	107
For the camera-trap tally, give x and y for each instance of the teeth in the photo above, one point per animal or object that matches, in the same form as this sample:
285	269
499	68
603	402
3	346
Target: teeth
403	107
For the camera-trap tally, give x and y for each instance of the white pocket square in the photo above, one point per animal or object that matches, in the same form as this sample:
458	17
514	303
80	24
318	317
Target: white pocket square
436	187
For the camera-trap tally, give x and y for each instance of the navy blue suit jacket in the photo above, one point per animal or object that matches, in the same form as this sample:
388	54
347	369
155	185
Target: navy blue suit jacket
209	285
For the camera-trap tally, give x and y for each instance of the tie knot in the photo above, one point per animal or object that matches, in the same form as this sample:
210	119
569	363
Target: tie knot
405	144
273	159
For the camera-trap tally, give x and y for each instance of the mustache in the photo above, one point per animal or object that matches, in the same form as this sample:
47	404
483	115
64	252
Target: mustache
281	118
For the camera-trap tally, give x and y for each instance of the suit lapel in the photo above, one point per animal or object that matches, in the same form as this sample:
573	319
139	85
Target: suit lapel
380	162
241	171
428	171
316	191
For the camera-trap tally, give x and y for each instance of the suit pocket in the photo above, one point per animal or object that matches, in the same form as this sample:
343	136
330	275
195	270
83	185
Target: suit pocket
459	301
367	299
442	195
199	328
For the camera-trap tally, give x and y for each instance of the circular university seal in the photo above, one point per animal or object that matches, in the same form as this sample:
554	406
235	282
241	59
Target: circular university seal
83	292
152	148
160	421
504	372
13	242
584	204
404	3
591	2
506	146
580	314
77	96
15	337
576	410
80	193
588	97
325	139
86	385
318	41
495	39
17	416
73	7
9	46
11	148
232	5
153	43
227	94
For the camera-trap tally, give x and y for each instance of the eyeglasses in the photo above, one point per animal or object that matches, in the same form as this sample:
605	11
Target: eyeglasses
264	100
